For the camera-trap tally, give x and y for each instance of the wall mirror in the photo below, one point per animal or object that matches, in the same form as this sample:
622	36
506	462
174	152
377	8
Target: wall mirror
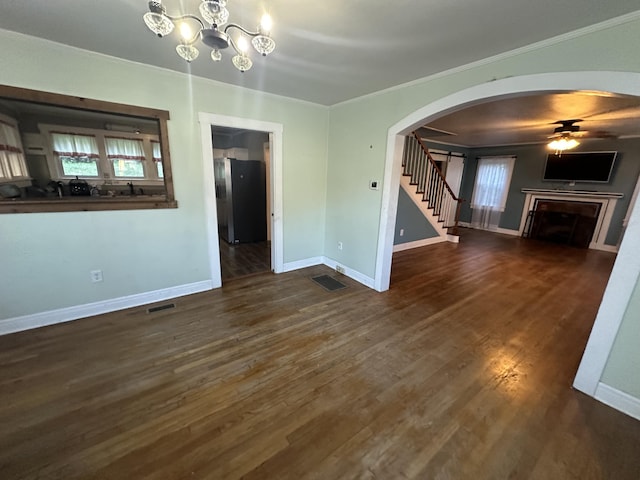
64	153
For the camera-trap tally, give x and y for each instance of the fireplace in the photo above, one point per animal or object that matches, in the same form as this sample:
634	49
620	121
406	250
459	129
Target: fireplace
572	217
567	222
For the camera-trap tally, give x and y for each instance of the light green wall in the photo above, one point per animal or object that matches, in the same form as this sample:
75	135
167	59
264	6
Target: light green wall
46	257
358	129
622	368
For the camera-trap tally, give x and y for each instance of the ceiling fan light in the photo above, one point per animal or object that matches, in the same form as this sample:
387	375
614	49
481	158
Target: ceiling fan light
188	52
263	44
216	56
242	62
561	144
158	23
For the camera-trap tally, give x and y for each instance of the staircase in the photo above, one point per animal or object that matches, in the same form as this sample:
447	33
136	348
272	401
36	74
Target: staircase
429	182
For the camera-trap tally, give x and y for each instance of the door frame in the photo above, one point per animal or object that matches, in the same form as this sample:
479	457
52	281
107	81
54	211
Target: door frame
207	120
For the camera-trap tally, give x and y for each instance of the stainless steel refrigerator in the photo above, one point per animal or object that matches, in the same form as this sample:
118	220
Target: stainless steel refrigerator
241	200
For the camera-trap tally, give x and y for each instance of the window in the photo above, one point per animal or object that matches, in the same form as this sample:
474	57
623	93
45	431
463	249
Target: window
491	189
28	159
78	154
100	157
12	162
127	156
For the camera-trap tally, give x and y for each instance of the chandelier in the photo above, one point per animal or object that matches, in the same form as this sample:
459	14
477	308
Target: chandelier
215	15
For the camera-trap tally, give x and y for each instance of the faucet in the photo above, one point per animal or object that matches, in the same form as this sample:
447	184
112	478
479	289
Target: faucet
130	188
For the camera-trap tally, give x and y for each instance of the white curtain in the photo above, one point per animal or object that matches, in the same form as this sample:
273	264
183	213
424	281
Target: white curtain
493	178
9	138
12	162
157	154
72	145
124	149
15	162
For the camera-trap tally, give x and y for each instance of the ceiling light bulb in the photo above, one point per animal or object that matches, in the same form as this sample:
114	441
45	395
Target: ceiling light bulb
216	56
185	31
266	23
243	46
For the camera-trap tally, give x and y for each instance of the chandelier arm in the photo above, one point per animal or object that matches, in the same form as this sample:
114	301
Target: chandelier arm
182	17
235	47
235	25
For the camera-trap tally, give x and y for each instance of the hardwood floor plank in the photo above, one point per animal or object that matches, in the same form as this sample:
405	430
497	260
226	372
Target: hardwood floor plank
462	370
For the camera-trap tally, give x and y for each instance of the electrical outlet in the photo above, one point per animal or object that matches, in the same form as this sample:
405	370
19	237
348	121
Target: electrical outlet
339	245
96	276
340	269
402	232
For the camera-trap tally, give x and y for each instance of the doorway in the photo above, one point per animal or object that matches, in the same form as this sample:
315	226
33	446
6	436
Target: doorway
273	187
240	165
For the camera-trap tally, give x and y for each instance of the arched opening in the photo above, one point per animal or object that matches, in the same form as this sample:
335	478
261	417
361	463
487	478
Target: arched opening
627	267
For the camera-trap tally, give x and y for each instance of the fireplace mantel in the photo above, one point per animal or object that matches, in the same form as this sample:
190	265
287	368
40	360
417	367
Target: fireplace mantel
573	193
607	201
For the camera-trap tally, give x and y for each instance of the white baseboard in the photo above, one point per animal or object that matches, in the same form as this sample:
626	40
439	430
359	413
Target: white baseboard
418	243
331	263
619	400
507	231
604	248
61	315
349	272
304	263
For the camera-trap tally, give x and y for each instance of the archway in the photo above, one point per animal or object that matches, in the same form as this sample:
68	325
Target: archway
627	266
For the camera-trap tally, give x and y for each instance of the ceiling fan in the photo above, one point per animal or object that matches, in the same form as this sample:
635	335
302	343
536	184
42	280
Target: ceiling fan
564	136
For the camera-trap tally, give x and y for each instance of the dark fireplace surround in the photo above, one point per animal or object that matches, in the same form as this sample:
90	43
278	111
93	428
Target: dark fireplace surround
572	217
561	221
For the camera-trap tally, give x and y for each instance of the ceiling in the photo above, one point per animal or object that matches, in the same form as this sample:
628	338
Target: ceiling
327	51
530	119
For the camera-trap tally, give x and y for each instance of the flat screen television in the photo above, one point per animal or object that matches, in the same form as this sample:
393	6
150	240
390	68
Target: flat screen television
591	167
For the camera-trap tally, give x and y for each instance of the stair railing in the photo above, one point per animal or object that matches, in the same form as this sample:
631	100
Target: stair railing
418	163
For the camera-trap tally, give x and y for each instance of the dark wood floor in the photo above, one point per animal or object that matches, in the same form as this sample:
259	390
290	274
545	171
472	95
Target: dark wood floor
462	370
244	259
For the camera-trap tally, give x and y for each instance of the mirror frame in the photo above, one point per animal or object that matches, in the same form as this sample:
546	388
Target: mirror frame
74	204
